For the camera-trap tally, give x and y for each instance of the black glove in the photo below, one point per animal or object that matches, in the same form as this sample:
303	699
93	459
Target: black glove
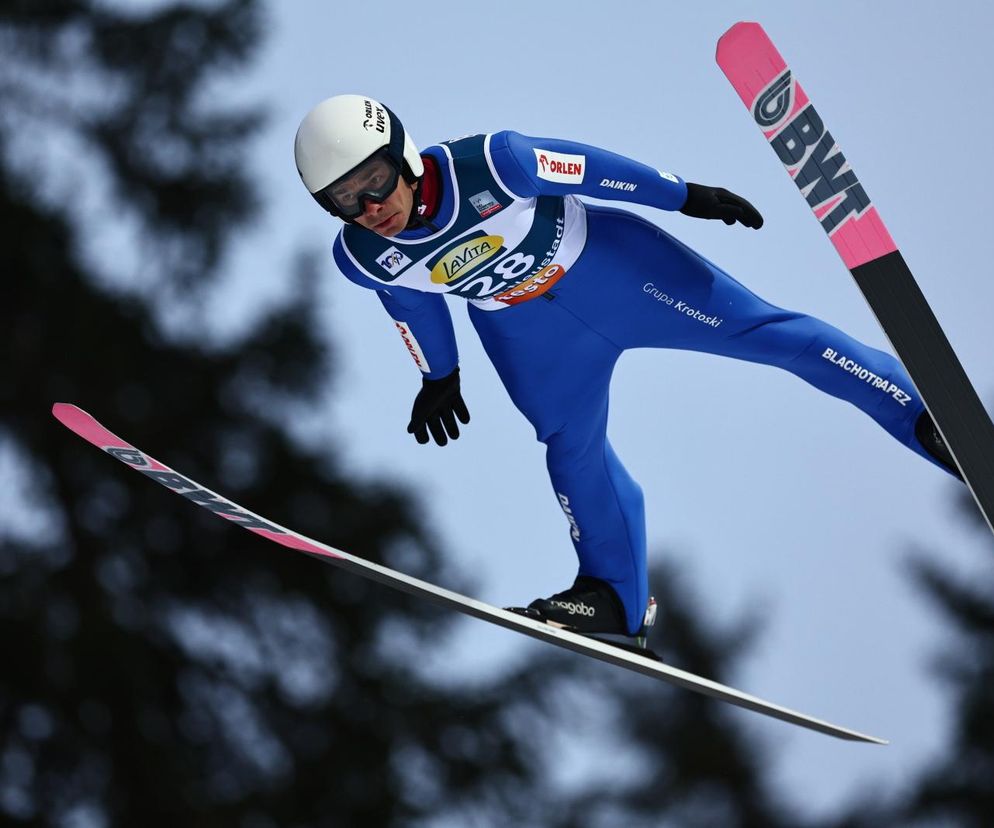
717	203
435	409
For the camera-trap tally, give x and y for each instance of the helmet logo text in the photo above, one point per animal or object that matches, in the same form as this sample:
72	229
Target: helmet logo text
377	120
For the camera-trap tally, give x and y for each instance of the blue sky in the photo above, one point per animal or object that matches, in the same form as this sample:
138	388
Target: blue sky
774	498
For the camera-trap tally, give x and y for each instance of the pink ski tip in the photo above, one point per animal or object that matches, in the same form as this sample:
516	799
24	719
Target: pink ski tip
77	420
735	32
66	413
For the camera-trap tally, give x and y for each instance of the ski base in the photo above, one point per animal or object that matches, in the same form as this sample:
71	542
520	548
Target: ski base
90	429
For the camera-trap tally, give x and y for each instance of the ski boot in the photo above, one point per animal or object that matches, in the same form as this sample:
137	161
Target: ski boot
591	607
928	435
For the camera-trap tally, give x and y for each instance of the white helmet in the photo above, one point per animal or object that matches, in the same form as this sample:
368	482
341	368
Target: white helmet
340	134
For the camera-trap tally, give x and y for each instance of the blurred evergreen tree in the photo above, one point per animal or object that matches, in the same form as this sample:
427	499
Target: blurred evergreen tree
958	787
163	668
955	787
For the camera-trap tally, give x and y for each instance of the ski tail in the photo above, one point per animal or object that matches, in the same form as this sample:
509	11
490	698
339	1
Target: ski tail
797	134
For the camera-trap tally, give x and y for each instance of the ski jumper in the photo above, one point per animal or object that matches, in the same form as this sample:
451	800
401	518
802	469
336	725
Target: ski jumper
558	289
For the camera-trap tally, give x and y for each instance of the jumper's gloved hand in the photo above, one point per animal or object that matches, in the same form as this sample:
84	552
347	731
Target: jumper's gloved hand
717	203
435	409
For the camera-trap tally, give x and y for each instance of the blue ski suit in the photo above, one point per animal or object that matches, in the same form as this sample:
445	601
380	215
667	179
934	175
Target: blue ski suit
558	289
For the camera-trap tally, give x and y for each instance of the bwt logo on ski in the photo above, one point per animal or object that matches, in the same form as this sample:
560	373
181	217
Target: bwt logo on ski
190	490
812	157
559	166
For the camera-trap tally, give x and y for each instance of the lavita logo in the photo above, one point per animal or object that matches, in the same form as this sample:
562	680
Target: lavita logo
464	257
808	150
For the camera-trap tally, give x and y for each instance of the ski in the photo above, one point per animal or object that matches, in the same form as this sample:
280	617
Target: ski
791	124
92	431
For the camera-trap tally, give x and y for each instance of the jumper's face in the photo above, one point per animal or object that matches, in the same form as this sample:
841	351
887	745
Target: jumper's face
390	216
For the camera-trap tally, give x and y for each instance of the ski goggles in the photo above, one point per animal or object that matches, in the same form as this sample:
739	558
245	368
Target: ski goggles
372	180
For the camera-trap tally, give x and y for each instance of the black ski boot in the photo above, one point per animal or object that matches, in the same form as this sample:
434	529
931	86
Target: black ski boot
590	606
928	435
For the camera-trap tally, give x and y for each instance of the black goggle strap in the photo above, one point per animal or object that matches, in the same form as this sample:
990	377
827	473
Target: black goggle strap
323	197
396	146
